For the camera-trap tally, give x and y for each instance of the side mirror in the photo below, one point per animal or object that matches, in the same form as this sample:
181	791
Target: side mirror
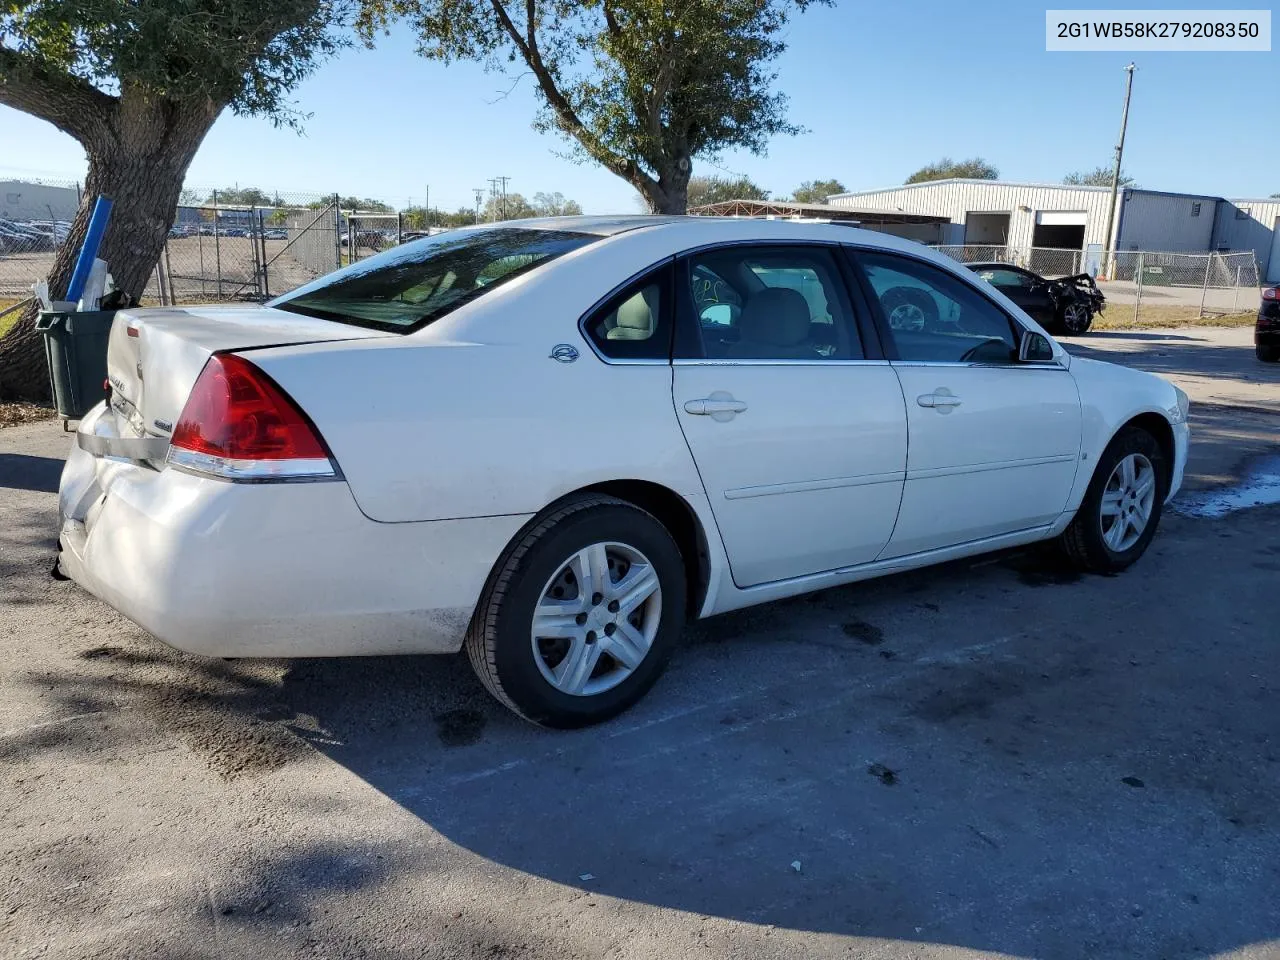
718	313
1035	348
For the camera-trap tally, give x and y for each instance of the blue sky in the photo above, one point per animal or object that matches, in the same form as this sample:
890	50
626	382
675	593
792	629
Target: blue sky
882	89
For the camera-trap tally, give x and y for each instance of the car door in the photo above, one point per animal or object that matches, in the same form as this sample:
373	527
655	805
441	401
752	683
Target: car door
994	443
1028	291
798	430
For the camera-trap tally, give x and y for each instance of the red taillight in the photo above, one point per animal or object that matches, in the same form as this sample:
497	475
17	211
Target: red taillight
1271	293
238	424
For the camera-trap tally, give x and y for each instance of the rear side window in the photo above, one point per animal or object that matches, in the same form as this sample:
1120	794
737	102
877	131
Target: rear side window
635	324
409	286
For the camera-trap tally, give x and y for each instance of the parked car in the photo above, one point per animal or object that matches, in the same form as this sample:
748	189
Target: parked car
1266	331
26	239
553	443
1066	305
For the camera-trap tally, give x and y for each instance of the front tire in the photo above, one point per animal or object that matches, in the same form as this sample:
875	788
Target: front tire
581	613
1267	354
1122	507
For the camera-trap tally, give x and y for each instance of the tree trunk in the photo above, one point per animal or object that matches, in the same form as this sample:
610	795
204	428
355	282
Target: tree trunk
670	193
140	164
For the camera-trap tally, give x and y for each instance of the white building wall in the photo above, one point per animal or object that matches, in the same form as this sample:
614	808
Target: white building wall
1166	221
20	200
1250	225
955	199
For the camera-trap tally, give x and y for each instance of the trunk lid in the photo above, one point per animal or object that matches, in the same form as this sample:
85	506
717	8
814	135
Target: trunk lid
155	354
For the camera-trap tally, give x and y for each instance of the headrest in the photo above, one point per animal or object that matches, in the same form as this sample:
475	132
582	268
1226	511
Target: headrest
776	315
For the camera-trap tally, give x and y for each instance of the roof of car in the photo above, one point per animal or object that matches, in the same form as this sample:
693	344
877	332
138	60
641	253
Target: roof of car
604	226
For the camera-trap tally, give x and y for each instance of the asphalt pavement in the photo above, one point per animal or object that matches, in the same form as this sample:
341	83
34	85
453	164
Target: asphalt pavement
994	757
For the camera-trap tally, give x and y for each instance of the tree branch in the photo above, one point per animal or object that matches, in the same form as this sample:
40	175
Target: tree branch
71	104
527	45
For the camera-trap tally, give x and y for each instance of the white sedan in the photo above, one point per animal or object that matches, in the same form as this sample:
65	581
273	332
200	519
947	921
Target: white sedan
553	441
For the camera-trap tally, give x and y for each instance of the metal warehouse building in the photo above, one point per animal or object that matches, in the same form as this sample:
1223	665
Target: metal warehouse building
1030	215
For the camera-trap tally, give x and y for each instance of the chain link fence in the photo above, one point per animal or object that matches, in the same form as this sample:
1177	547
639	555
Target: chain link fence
225	253
1148	286
368	233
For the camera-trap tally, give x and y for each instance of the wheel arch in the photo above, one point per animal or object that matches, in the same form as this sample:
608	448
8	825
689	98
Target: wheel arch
675	513
1159	427
671	510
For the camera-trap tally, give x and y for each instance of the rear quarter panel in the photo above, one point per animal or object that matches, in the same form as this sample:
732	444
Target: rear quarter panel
471	417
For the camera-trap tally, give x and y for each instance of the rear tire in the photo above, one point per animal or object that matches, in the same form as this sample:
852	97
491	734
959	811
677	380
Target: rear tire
1267	354
1075	319
559	635
1119	496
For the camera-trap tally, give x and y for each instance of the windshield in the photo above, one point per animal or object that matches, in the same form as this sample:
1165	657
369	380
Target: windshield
409	286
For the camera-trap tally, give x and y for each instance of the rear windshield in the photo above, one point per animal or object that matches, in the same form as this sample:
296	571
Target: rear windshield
409	286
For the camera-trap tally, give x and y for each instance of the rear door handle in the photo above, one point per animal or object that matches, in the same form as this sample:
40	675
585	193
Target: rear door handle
938	400
718	406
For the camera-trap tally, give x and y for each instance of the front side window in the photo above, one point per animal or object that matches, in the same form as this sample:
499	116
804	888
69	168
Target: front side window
414	284
770	303
937	318
1005	278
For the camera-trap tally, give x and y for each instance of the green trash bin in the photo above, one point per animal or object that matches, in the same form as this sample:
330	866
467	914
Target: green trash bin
75	344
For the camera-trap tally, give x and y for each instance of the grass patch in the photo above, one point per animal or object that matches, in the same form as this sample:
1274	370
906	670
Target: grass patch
1119	316
7	321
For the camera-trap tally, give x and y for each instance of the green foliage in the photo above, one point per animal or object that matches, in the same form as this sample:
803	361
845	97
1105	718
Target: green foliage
1097	177
517	207
640	86
419	218
948	169
817	191
243	53
704	190
240	197
365	205
555	205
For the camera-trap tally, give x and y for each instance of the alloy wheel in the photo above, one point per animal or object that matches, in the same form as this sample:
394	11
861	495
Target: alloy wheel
1075	318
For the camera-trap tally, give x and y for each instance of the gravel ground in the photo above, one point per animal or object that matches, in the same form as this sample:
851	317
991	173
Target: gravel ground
992	757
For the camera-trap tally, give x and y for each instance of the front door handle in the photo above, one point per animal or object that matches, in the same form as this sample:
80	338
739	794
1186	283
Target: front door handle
944	400
718	406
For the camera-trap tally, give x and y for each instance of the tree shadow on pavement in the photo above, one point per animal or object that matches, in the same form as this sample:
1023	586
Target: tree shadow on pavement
22	472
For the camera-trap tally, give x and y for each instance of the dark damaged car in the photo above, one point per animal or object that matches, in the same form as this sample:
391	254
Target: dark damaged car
1066	305
1266	333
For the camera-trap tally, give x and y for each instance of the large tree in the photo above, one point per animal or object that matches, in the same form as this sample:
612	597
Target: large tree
1097	177
817	191
139	83
555	205
947	169
704	190
642	87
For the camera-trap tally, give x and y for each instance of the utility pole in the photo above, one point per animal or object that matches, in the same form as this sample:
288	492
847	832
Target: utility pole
1107	251
427	205
479	192
503	181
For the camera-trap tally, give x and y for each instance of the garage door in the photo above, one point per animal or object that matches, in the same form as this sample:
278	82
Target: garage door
1273	264
1062	218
